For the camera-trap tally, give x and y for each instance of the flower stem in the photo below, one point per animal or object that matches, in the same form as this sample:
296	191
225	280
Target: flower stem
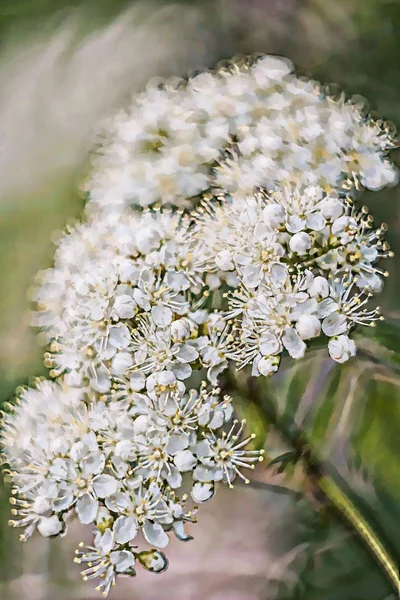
323	484
342	503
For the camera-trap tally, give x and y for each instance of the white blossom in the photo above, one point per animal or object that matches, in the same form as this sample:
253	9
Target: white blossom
249	243
173	143
341	348
112	462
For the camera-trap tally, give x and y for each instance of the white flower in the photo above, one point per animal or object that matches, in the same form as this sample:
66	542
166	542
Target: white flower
249	243
345	308
222	458
160	386
345	228
105	560
271	68
156	350
300	207
214	347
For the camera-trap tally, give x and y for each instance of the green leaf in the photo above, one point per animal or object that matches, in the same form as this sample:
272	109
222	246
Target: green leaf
341	421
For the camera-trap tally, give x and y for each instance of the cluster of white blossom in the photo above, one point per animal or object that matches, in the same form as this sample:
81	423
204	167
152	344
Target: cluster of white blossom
174	141
117	299
296	263
259	247
116	462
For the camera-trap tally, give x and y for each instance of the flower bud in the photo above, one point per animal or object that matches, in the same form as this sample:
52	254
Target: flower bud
274	215
308	326
300	243
124	306
319	288
341	348
121	362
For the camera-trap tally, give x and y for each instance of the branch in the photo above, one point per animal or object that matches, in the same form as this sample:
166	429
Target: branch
324	485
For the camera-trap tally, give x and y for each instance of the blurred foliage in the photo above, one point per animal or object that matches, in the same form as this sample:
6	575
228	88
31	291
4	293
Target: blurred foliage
350	414
348	418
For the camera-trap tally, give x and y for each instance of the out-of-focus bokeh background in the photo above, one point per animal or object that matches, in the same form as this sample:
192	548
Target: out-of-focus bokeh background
63	66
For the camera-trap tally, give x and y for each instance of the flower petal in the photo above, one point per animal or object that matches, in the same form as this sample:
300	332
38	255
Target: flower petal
104	485
162	315
174	477
92	464
316	221
185	461
187	353
293	343
155	534
341	348
49	526
176	443
201	492
86	509
179	530
334	324
123	560
125	529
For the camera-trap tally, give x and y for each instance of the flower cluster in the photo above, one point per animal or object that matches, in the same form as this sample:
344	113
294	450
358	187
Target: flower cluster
117	300
116	463
175	140
296	263
221	230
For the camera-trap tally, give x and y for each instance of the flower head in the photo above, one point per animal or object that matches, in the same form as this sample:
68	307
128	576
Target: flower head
221	230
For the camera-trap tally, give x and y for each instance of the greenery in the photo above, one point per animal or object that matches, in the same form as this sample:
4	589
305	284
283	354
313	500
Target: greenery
331	431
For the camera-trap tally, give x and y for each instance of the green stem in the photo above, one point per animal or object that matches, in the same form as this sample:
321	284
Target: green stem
323	483
342	503
323	252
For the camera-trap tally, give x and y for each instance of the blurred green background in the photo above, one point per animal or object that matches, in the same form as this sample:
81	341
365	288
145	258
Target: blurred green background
63	66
